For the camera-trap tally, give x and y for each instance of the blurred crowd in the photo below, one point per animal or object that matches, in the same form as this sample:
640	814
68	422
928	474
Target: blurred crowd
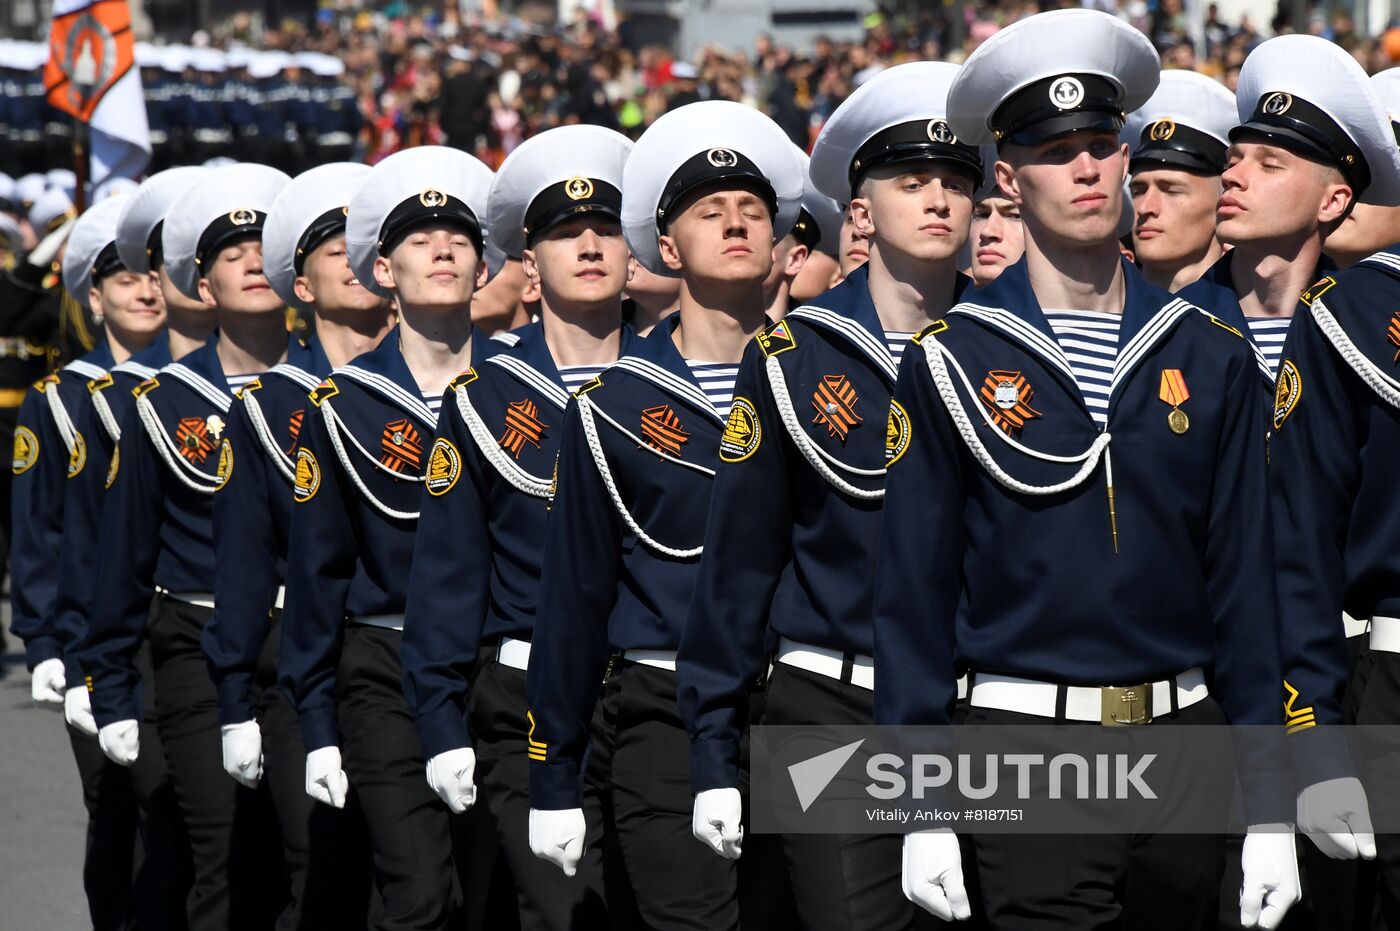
361	84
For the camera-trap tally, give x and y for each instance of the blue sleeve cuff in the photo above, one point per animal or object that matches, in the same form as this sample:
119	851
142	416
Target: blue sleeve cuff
40	649
319	729
235	698
111	705
555	786
714	764
1320	753
441	730
73	671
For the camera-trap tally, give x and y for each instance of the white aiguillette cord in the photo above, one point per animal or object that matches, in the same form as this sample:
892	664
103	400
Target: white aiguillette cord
281	460
334	426
586	411
814	454
518	478
938	358
1378	381
187	473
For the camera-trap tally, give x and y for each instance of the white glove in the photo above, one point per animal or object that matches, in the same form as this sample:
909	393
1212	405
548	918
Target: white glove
717	821
450	775
243	756
42	255
557	836
121	741
1270	861
48	684
933	874
77	711
1336	819
325	780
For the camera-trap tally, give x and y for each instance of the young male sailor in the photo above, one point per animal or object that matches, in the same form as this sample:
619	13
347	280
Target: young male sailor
707	191
415	232
795	512
1014	403
489	474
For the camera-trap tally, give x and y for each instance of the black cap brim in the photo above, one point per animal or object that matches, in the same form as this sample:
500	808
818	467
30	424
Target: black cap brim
1071	122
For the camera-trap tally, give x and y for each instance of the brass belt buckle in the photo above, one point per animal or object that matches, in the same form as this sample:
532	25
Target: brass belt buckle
1127	704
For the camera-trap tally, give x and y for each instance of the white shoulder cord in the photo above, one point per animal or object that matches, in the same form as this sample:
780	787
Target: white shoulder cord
518	478
204	484
1378	381
333	425
586	410
938	369
264	432
104	414
61	418
813	453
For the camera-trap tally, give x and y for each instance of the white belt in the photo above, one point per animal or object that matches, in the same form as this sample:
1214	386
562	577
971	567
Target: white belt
661	659
825	661
202	599
1385	634
385	621
1108	705
1354	627
514	653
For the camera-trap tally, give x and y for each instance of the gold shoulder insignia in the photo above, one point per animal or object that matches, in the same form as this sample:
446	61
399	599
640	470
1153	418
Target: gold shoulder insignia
1225	326
42	384
776	338
1317	290
326	389
145	386
464	379
933	329
595	382
253	385
99	384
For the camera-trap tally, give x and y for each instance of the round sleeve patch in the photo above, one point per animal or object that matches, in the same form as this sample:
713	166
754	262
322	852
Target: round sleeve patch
78	457
113	466
896	433
26	451
225	468
742	432
308	476
444	467
1287	390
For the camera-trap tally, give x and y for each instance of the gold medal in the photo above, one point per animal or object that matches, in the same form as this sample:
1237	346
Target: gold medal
1178	421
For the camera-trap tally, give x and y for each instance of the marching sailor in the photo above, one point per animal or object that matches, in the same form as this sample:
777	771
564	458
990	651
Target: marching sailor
1008	478
707	191
795	512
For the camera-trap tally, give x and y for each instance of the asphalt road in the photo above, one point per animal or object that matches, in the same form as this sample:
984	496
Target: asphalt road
41	809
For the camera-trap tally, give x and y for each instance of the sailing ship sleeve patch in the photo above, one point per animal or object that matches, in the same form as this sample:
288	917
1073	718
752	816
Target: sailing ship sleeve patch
444	467
742	432
307	480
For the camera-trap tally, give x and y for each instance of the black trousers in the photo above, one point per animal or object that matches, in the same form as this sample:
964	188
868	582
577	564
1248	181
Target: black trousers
1377	693
675	880
407	822
325	849
136	870
548	900
839	881
1139	882
237	861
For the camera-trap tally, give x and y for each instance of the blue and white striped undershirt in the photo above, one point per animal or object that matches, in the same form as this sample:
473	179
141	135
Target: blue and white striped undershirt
896	341
434	401
1089	339
1269	333
237	383
576	376
717	381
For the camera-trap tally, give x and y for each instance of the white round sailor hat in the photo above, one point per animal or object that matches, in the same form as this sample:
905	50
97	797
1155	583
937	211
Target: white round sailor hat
1185	125
1387	86
1052	73
899	115
219	206
818	225
1309	96
701	144
309	211
61	177
29	188
52	208
557	174
113	187
430	182
143	213
92	249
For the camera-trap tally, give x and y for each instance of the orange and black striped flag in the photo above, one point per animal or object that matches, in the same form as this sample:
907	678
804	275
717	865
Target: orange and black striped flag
662	429
193	436
1008	396
835	403
401	449
1392	332
294	429
523	425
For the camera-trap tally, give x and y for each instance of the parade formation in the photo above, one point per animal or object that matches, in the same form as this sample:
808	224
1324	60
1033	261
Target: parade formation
1051	388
